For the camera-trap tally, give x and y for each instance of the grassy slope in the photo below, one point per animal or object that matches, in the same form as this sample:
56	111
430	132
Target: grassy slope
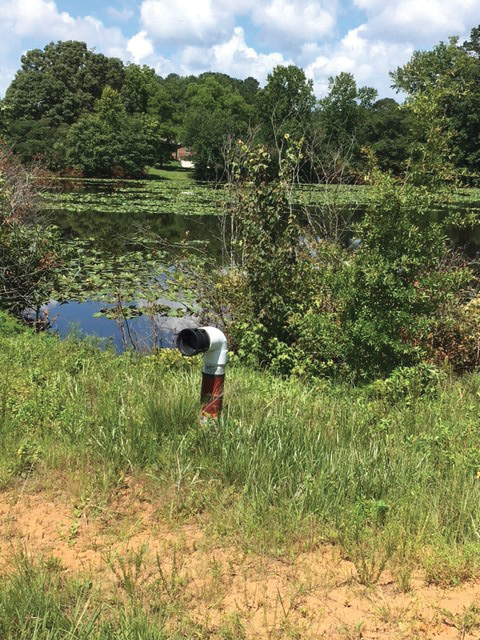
286	452
393	483
172	171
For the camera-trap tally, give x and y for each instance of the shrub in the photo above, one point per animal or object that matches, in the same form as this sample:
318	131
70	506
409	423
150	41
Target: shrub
304	305
30	252
397	285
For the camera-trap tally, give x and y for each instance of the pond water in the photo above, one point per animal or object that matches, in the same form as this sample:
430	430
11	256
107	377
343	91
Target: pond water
117	217
141	333
117	234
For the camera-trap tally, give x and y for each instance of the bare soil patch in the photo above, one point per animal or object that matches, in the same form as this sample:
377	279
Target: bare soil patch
314	595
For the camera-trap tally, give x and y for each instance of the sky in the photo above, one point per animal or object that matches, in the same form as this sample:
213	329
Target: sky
243	38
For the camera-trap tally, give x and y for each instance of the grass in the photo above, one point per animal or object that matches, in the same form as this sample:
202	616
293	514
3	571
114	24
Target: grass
352	461
391	480
39	601
171	171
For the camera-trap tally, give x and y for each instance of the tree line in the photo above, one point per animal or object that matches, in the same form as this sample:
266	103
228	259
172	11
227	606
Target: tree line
84	112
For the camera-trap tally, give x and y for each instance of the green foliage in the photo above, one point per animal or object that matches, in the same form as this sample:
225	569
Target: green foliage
312	307
408	382
387	133
398	280
342	113
285	105
342	118
447	79
30	254
60	82
29	261
9	325
214	115
32	139
266	243
109	141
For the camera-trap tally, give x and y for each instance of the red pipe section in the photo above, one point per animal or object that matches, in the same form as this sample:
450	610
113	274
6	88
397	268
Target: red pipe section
212	395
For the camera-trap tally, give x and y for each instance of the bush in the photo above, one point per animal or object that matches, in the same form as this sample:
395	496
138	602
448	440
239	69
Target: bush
456	339
309	306
9	326
30	252
399	283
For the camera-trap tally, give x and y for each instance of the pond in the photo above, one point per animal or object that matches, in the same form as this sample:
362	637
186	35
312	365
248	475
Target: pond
118	216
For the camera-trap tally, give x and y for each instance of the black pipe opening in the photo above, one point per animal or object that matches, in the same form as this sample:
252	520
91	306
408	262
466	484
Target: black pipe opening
193	341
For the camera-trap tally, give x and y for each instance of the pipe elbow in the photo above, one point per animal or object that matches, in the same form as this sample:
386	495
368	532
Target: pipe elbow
217	354
207	340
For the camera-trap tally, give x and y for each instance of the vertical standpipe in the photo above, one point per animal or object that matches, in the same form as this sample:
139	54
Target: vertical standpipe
213	344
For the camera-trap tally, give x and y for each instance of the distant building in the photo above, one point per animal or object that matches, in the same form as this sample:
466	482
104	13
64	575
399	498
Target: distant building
181	153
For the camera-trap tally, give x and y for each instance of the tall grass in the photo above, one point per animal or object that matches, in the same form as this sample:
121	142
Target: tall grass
356	464
39	602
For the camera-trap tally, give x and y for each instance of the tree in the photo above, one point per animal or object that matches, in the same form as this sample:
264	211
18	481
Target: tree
143	93
110	141
249	89
52	89
387	133
31	139
449	77
342	118
285	105
215	114
61	82
473	45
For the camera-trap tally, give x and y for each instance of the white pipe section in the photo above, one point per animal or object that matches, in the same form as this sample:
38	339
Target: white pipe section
216	356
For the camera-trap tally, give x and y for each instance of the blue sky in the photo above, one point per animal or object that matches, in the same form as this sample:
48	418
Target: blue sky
241	37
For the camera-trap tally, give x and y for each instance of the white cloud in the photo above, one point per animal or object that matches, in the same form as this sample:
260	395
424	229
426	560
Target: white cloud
239	60
286	23
369	60
40	19
233	56
186	21
139	46
164	66
291	22
392	31
420	20
190	36
120	15
34	17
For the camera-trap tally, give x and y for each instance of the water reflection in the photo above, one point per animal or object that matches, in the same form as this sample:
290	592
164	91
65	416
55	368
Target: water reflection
141	333
117	234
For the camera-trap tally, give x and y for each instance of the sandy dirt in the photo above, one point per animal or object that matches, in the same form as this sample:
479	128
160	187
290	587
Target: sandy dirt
316	595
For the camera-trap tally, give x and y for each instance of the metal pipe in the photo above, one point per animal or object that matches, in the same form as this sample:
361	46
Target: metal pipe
213	344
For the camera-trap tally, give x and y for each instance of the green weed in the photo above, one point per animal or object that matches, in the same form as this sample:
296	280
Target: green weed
287	463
